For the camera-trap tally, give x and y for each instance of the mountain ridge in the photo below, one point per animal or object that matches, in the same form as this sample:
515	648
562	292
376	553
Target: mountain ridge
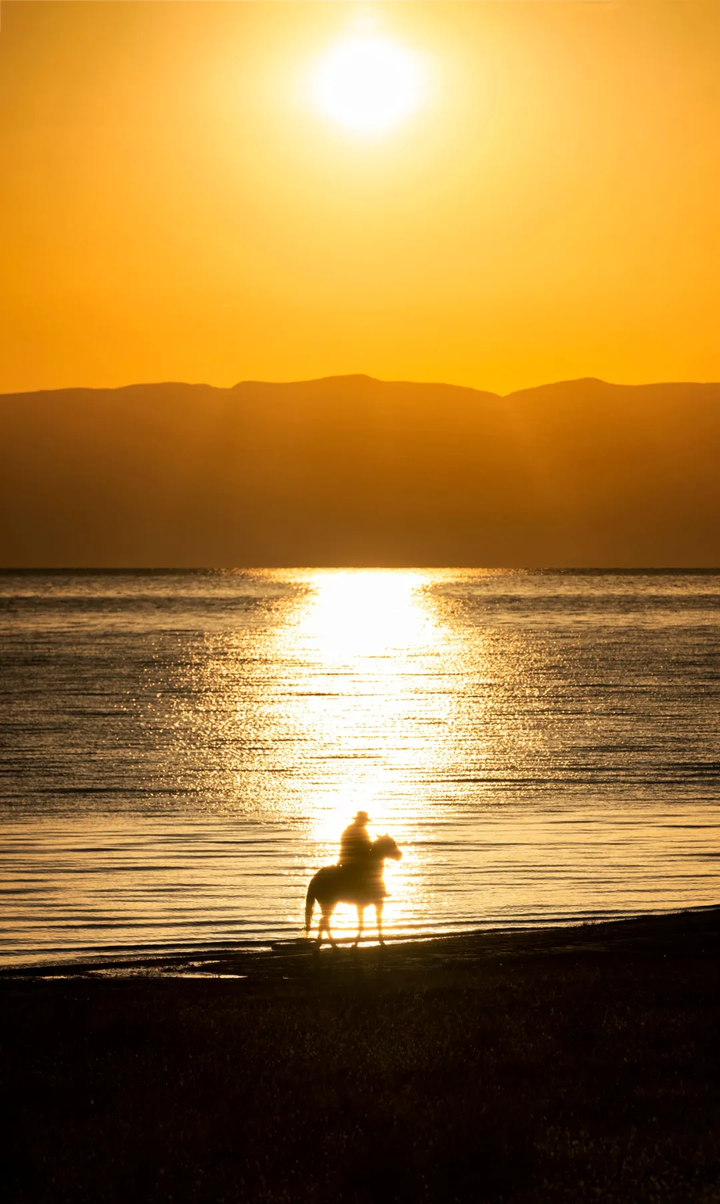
356	471
359	377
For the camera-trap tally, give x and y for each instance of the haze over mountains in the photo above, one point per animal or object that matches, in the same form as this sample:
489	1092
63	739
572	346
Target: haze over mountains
355	471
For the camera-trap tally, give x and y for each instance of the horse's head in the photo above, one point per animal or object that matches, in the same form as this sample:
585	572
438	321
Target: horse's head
385	848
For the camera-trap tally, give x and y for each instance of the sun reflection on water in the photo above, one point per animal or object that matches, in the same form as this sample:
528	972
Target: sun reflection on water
368	642
358	613
345	691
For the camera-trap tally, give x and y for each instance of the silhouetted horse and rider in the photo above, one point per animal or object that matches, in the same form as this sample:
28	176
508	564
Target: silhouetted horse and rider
357	878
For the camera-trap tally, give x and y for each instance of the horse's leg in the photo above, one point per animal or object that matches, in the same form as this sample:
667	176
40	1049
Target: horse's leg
326	918
361	917
378	913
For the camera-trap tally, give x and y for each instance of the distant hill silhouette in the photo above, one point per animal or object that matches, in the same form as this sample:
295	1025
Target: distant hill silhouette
355	471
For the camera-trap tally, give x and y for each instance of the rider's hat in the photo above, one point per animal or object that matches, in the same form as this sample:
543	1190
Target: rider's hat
362	817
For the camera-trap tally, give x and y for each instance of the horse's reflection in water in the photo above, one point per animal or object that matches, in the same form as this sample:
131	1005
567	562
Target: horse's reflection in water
361	884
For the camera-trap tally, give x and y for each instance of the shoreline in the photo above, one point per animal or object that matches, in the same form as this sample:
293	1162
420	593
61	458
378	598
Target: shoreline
292	954
565	1065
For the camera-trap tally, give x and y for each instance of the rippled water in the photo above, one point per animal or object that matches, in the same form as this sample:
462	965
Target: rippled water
180	751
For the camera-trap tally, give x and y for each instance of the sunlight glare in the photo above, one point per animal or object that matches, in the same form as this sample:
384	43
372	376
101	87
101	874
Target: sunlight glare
368	84
361	613
366	641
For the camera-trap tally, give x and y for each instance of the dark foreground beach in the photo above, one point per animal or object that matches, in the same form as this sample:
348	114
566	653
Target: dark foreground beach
566	1065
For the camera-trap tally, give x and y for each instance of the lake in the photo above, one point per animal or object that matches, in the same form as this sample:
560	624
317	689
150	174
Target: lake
180	751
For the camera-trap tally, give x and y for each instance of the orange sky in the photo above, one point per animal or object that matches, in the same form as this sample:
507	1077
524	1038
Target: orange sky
173	207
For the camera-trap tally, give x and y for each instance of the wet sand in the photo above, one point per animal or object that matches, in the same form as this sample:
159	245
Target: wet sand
555	1065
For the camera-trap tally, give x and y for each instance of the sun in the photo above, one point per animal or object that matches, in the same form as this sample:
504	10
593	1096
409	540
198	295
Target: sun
368	84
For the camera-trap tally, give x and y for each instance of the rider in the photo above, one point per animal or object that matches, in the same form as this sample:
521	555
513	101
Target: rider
355	842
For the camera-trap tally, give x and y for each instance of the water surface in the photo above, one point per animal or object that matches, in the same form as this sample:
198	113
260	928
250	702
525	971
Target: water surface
180	751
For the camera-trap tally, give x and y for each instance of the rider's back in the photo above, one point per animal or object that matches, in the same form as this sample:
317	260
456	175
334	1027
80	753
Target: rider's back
355	844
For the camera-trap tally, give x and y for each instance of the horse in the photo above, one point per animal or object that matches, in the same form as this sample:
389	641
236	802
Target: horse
361	884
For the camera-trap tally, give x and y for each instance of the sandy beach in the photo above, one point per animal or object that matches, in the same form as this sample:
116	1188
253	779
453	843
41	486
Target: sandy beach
569	1064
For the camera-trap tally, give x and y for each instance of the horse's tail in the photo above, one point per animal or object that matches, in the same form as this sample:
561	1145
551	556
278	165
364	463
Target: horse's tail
310	899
